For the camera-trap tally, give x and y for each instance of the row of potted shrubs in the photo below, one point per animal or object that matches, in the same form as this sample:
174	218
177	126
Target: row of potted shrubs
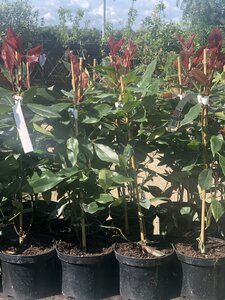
92	148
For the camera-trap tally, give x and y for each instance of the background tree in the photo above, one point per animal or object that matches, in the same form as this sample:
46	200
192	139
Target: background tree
20	16
202	16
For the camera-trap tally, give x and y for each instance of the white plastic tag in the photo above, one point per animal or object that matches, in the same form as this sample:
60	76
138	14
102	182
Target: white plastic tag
74	112
199	98
21	126
203	99
119	104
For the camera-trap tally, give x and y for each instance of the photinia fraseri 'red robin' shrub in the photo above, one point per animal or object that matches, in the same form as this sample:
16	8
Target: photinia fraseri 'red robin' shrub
13	57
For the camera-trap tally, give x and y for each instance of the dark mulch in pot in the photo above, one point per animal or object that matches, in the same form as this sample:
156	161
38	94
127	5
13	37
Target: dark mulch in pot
137	251
215	248
94	247
31	246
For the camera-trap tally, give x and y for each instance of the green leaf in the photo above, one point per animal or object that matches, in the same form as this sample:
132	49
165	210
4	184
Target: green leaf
42	130
217	209
92	207
105	198
43	183
191	115
103	109
5	108
105	178
216	143
120	179
43	110
106	153
205	179
72	150
194	145
222	163
146	79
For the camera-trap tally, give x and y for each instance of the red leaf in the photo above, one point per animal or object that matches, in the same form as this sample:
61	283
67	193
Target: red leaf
186	45
14	40
215	39
33	54
8	57
114	47
198	57
199	76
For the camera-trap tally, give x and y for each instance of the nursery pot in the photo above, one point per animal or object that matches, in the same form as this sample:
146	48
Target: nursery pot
202	278
144	278
89	277
29	277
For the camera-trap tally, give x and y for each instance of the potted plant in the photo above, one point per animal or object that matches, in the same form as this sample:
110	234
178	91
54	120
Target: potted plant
84	156
26	267
135	96
202	257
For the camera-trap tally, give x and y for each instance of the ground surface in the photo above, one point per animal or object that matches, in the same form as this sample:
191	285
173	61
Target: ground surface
60	297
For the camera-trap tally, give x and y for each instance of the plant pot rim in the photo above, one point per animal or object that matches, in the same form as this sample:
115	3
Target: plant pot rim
200	261
88	259
25	259
144	262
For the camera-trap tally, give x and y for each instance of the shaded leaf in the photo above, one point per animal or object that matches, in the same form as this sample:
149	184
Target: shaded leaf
105	198
205	179
216	143
191	115
217	209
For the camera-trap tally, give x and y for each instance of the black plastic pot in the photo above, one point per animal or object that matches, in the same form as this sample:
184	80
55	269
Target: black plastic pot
29	277
202	278
89	277
144	279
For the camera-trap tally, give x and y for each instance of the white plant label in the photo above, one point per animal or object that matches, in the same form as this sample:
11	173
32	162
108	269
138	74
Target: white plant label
74	112
22	127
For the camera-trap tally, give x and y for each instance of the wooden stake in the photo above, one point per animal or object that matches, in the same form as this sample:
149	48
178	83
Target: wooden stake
28	75
135	183
205	61
224	73
80	80
204	121
73	81
179	73
94	72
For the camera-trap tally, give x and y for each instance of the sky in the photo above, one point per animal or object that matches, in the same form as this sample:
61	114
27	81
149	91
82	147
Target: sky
116	10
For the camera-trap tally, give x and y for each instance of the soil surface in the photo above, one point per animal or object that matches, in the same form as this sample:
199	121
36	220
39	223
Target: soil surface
30	247
215	248
92	249
138	251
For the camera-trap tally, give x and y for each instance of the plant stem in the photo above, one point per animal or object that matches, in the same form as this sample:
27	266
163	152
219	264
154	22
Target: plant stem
21	233
137	197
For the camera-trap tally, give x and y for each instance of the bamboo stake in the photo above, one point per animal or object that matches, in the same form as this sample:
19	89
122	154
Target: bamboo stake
75	102
135	183
28	75
94	66
204	122
80	81
224	73
179	73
